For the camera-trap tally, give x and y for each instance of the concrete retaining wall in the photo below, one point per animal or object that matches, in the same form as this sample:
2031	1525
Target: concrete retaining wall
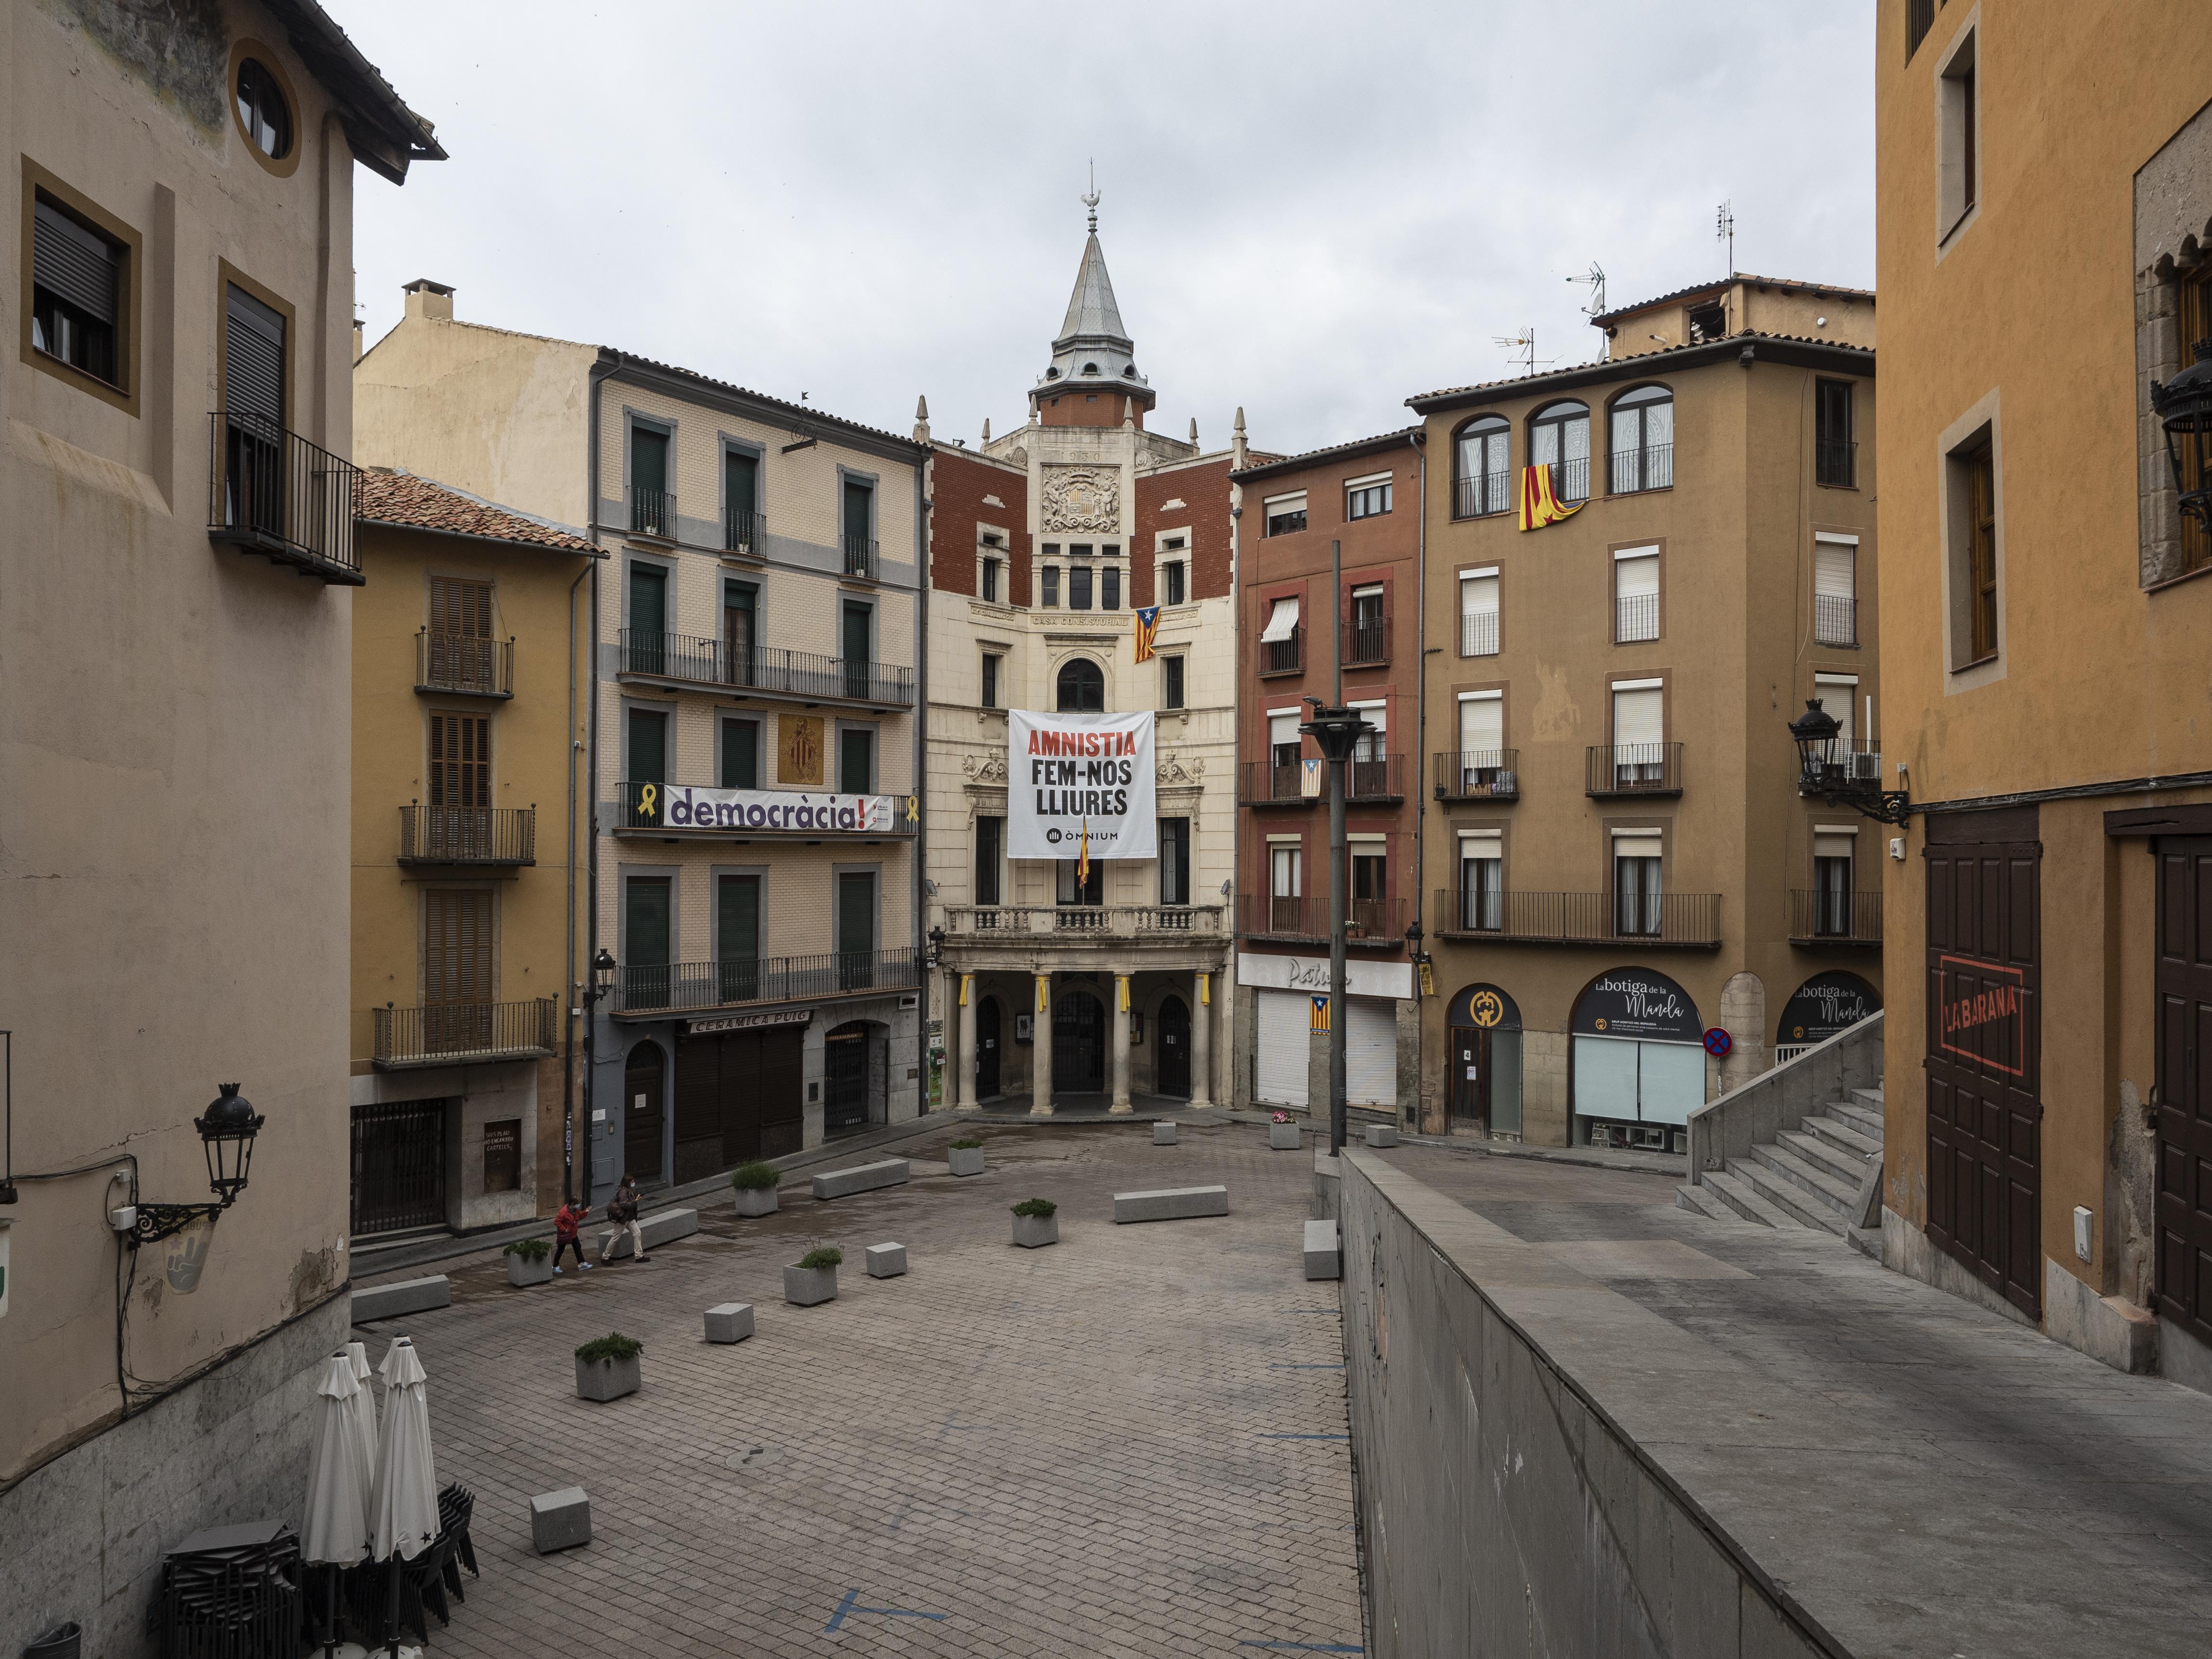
1781	1098
1502	1511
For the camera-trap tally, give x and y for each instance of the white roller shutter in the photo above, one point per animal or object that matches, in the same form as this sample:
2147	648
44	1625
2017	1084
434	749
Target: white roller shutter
1835	571
1639	717
1370	1053
1285	1024
1673	1080
1481	724
1605	1078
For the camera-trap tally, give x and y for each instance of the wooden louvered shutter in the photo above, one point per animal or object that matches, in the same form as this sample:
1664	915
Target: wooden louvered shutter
460	634
457	970
253	359
460	760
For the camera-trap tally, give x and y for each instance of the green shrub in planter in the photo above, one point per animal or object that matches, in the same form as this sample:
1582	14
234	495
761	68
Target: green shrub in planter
813	1278
827	1256
755	1188
1035	1206
1036	1223
613	1345
965	1146
607	1367
966	1158
528	1262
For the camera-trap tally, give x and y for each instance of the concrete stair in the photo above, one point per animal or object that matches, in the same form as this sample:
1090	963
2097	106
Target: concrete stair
1805	1177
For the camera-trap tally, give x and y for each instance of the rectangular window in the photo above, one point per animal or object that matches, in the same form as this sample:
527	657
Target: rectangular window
1109	588
1079	587
1481	884
1175	860
740	631
1284	749
1959	119
1079	550
856	928
651	507
1072	891
1286	514
1636	895
460	761
859	523
737	921
1481	741
1171	691
1368	912
1285	879
740	756
1636	595
1478	613
741	500
1172	574
990	855
1835	456
457	954
856	760
645	636
1838	696
1484	482
1051	600
1835	592
645	921
988	582
461	656
1366	498
1982	550
856	643
992	660
1368	640
648	759
1831	886
1639	736
78	293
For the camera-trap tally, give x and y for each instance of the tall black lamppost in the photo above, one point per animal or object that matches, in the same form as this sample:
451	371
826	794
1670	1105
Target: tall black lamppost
1336	731
602	981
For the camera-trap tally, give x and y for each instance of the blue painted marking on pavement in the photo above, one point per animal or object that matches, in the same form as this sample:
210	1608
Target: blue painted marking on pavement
1306	1436
1305	1647
851	1604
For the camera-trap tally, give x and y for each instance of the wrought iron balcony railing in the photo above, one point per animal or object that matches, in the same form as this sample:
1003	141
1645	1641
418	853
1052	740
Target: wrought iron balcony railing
1833	917
1635	617
1570	478
1690	920
1366	921
744	532
1835	461
720	664
685	986
1479	774
988	922
1283	656
859	556
652	512
464	664
1477	633
1482	493
1371	777
1261	783
1366	644
1635	768
272	492
1835	619
457	1033
1651	467
468	835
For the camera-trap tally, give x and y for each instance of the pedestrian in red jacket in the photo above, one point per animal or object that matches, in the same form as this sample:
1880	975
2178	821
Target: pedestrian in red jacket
572	1216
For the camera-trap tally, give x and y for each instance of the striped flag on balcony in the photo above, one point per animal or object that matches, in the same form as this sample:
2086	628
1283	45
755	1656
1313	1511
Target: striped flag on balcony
1148	624
1540	502
1319	1015
1082	857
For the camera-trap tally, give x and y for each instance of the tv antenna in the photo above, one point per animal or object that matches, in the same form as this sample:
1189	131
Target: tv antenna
1520	349
1596	283
1724	231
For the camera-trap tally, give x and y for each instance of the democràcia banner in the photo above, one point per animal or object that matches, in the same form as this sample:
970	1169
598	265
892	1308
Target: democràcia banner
679	806
1067	775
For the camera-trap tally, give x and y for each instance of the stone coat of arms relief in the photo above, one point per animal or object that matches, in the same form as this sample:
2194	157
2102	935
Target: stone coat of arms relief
1082	498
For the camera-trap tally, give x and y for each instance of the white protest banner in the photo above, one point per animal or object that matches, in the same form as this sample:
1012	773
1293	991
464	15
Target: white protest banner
1067	773
680	806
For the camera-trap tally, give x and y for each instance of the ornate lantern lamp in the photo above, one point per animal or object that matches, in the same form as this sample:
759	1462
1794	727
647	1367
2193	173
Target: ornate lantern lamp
2183	407
1824	769
228	1130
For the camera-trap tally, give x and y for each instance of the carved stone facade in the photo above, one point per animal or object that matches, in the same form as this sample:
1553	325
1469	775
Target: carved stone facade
1086	500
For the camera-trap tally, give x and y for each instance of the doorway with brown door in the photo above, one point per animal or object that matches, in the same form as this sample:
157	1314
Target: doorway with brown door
987	1029
1482	1033
644	1077
2184	1073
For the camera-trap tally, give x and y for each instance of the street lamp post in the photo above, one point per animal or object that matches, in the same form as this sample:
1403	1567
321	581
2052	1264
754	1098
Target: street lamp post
1336	731
602	981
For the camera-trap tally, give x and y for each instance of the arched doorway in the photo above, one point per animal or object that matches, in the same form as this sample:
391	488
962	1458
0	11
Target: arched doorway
1173	1065
1640	1059
1824	1005
643	1076
987	1049
844	1078
1078	1043
1483	1047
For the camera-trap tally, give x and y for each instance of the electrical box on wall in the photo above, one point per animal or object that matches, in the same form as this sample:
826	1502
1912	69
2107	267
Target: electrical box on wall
2082	1247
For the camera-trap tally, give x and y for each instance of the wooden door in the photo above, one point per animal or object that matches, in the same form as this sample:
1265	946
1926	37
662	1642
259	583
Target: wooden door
2184	1097
643	1115
782	1091
700	1087
457	970
740	1099
1172	1069
1469	1046
987	1049
1984	1050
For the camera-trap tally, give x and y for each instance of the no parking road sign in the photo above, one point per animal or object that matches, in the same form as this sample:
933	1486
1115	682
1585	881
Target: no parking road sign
1718	1043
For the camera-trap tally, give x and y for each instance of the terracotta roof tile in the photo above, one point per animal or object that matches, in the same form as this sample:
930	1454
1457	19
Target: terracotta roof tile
1257	463
1629	365
417	503
1788	284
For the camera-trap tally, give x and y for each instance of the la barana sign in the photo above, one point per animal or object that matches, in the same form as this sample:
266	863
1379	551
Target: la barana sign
1067	775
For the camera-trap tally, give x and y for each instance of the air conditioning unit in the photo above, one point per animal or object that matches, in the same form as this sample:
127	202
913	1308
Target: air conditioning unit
1866	768
1679	1142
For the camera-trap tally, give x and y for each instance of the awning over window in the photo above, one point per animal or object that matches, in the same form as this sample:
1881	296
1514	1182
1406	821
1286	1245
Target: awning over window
1282	621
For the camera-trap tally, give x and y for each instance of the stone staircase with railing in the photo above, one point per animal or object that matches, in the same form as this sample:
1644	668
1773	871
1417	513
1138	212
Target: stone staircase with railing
1799	1145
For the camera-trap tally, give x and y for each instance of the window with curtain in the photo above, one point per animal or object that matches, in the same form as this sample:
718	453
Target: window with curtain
1636	595
1368	773
1482	481
1559	438
1478	614
1072	890
1481	884
1366	498
1636	892
1643	440
1285	879
1175	860
1832	885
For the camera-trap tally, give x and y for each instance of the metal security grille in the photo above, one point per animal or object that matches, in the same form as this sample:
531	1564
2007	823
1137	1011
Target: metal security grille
845	1100
399	1166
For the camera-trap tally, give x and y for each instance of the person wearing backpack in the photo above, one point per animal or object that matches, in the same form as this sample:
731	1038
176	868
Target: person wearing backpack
622	1210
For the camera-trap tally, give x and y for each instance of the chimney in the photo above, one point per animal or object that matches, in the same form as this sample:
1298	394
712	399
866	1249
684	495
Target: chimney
425	298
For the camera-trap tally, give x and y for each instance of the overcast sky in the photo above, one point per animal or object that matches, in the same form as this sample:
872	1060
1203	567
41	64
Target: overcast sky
1312	211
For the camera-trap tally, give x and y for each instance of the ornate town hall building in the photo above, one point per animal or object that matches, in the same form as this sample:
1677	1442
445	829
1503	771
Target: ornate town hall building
1043	544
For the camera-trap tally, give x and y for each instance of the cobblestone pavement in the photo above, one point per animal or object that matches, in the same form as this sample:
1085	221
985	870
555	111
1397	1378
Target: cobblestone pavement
1131	1443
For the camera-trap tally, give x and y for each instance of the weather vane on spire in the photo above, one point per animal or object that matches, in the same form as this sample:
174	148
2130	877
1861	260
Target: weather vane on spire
1090	201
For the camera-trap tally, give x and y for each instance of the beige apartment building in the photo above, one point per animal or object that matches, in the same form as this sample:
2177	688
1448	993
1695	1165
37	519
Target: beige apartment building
177	481
1616	857
753	915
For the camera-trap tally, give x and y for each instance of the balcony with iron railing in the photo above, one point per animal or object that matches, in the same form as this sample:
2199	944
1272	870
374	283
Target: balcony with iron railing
1835	461
652	512
1074	923
1368	923
1634	768
1366	643
1478	775
272	492
1283	656
689	987
464	665
1372	777
1635	619
723	666
1824	916
859	556
468	835
1477	633
744	532
1651	467
1835	619
1570	479
1683	921
1265	783
1482	493
465	1033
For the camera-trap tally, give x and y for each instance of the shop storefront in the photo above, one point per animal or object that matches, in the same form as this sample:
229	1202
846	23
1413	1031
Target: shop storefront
1482	1030
1638	1062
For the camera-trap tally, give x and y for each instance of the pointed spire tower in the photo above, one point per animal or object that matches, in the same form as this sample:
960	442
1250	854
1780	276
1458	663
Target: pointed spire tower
1092	380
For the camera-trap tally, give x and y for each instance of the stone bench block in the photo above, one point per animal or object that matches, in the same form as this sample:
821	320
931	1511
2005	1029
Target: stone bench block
886	1261
861	1178
1170	1204
1382	1134
1282	1137
665	1228
408	1296
1324	1251
1163	1134
560	1520
731	1322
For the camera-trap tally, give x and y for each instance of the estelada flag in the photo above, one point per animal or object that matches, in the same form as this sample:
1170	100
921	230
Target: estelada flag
1320	1022
1148	624
1540	502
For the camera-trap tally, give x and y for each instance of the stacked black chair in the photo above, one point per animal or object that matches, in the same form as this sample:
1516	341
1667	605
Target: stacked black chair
231	1593
457	1505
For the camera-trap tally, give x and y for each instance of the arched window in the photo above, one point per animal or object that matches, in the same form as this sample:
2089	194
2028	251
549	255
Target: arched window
1643	439
1082	688
1484	474
1091	368
1559	437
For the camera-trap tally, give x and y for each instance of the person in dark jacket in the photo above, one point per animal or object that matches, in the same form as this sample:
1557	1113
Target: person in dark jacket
622	1210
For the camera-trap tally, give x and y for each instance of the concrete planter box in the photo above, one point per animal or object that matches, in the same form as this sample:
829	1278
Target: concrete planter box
1032	1231
607	1379
560	1520
886	1261
756	1200
1282	1137
966	1160
805	1287
522	1270
1163	1134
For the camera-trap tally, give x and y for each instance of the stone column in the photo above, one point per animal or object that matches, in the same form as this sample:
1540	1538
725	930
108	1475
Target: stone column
1201	1039
1120	1043
964	1062
1041	1049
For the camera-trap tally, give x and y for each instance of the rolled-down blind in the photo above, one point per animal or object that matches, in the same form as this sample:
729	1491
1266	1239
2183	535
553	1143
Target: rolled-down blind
1636	577
254	358
1482	723
78	265
1832	572
1639	717
1282	621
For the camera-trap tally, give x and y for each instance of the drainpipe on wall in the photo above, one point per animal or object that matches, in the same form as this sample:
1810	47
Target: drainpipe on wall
608	363
917	906
571	991
1419	440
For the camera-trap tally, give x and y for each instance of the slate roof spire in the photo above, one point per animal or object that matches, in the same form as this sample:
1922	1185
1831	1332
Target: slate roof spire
1093	349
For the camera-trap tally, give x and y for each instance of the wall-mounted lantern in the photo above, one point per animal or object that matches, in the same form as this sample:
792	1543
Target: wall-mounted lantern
2183	407
1827	768
228	1130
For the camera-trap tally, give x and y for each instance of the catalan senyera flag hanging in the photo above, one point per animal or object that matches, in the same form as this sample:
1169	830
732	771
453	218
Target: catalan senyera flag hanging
1148	624
1319	1015
1082	857
1540	502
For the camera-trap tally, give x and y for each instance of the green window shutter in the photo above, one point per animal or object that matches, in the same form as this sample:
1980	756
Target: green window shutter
740	755
648	746
737	919
648	458
648	599
859	498
644	923
855	750
856	912
740	486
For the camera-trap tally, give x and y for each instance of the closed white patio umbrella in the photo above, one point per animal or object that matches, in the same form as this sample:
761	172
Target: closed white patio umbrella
339	1480
404	1510
362	1408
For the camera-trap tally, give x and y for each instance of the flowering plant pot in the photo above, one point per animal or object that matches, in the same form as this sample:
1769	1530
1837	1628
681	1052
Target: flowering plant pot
1282	1137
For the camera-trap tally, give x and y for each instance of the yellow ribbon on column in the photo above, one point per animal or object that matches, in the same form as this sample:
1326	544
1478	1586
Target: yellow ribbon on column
1206	990
1044	1000
966	981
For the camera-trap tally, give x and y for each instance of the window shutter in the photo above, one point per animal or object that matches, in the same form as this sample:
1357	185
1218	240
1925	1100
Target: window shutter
737	919
856	913
1834	574
1477	596
1282	621
460	760
648	458
1282	729
648	599
740	477
457	950
460	608
77	265
1639	717
645	941
1481	724
254	358
740	755
1833	846
1638	577
648	746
